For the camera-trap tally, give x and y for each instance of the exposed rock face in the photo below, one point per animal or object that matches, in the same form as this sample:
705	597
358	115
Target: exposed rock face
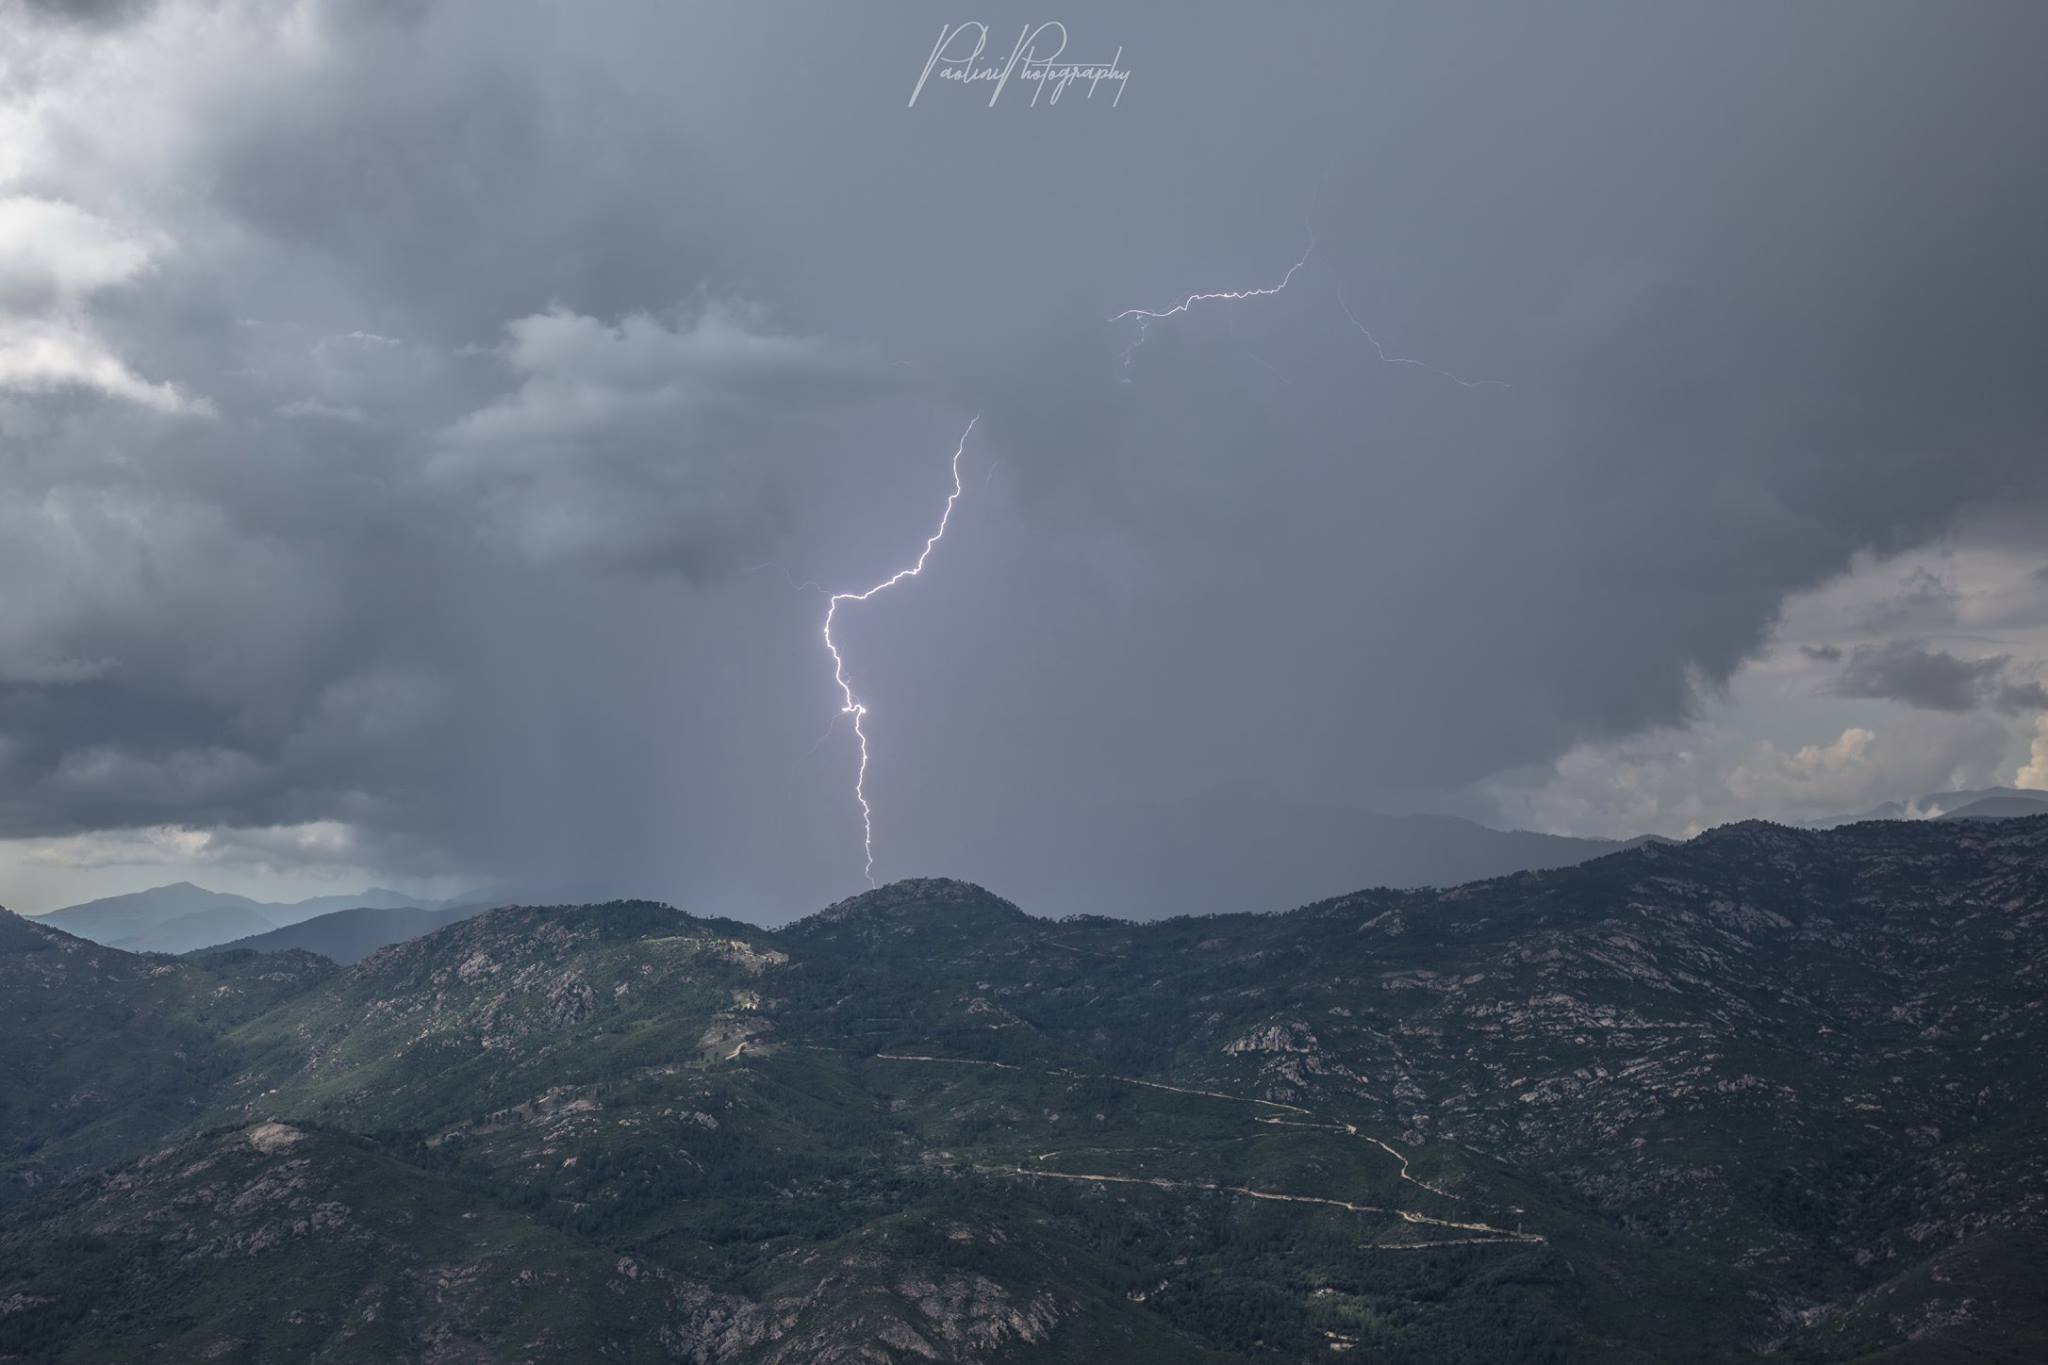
272	1138
1288	1035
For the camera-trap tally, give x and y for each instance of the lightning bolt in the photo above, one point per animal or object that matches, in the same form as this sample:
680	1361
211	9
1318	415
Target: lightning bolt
852	705
1146	316
1386	359
1227	296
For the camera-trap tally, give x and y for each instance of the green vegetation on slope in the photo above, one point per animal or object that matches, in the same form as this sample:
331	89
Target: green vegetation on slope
1771	1091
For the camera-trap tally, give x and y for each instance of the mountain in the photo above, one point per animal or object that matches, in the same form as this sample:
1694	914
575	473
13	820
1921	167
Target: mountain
106	1051
1985	803
181	917
1142	862
375	898
116	917
2008	805
1767	1092
1397	850
196	930
348	936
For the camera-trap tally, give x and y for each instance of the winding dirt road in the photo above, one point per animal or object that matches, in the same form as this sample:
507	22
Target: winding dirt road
1486	1233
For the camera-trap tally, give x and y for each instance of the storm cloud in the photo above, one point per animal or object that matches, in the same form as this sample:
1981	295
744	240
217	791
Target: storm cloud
434	421
1932	678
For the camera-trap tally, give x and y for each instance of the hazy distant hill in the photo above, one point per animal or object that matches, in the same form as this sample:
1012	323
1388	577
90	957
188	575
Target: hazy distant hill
376	898
181	917
1984	803
2002	806
138	912
348	936
195	930
1767	1093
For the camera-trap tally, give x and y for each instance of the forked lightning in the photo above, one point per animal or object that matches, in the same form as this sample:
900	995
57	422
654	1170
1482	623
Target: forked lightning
852	705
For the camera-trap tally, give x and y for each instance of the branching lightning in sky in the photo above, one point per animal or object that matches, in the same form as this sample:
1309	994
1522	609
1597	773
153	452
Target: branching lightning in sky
1381	352
1228	295
852	705
1146	316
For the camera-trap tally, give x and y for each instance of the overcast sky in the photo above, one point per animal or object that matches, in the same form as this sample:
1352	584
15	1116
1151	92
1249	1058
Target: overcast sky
425	429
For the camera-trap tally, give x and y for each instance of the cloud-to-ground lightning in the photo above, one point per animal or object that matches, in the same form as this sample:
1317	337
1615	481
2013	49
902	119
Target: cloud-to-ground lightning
850	702
852	705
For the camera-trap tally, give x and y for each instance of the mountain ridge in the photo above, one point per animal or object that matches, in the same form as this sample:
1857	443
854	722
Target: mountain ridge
2011	801
1771	1090
180	916
349	935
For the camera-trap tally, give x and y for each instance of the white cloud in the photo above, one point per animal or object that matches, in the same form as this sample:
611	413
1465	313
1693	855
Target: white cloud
44	355
53	257
2035	774
1782	742
1680	782
52	252
1767	778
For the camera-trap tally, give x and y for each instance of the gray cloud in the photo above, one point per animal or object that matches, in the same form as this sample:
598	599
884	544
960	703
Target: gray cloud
452	559
1930	678
1923	601
2022	698
640	446
1934	679
101	12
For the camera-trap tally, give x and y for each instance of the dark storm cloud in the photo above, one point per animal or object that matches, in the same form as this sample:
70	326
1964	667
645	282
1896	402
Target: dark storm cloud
1824	654
541	360
1930	678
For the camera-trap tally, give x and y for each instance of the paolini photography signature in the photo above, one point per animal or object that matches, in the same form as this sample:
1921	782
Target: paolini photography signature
1039	57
